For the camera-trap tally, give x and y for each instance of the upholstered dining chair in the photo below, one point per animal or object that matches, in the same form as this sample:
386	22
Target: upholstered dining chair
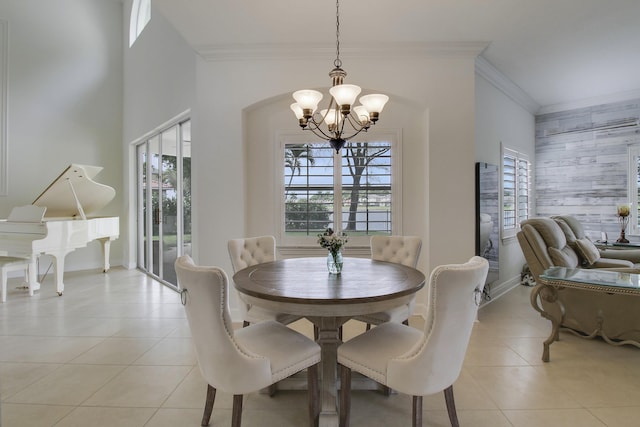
246	360
420	362
251	251
403	250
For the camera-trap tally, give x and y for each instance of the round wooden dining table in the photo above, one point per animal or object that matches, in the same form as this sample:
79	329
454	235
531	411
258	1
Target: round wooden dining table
304	287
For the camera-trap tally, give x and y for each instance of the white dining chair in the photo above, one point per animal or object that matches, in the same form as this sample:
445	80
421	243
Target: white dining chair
246	360
403	250
420	362
251	251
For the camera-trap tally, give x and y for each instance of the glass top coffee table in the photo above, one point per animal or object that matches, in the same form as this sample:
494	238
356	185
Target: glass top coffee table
555	279
594	279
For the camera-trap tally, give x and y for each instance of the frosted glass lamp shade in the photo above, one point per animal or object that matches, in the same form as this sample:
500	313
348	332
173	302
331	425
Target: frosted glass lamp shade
297	110
374	103
331	117
307	99
362	114
345	94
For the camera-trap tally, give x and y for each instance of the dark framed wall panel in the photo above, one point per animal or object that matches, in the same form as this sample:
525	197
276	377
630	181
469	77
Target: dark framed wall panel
488	217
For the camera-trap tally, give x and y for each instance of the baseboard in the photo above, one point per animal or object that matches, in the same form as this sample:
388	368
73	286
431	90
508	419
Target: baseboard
499	289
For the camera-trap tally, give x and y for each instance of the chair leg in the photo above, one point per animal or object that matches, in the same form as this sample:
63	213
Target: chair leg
208	406
345	395
417	411
316	333
368	327
236	417
451	406
313	395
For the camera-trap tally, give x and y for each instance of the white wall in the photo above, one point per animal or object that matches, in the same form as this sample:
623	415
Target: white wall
439	145
159	84
159	75
65	99
500	119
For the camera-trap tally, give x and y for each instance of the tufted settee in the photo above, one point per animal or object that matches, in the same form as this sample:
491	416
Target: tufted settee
561	241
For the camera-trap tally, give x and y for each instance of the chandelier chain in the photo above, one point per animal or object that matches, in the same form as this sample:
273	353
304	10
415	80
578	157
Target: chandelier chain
337	62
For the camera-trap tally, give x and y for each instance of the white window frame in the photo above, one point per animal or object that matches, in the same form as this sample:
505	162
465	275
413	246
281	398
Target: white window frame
296	137
509	231
632	188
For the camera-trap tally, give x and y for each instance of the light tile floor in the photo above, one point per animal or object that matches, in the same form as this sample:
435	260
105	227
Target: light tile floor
115	350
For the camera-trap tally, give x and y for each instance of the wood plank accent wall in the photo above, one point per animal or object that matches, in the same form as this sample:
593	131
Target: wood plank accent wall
580	168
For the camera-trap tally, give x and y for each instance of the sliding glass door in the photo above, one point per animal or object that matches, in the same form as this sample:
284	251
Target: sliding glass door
164	200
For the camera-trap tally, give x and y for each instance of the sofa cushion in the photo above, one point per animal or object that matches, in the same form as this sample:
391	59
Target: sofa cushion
565	257
568	232
614	263
632	255
572	228
587	250
537	245
549	230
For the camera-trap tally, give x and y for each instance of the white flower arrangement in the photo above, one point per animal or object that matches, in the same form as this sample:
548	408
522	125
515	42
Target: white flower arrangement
332	241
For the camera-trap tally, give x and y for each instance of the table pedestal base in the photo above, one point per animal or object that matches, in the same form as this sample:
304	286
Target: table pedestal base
329	340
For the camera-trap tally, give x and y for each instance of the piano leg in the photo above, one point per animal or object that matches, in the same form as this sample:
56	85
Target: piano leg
59	269
106	248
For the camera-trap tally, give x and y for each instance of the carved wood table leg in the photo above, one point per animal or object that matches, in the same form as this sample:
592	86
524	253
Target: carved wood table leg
553	312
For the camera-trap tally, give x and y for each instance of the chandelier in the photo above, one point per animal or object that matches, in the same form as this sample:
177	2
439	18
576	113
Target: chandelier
329	123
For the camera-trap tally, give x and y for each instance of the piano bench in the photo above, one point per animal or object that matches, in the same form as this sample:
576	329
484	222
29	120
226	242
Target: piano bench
7	264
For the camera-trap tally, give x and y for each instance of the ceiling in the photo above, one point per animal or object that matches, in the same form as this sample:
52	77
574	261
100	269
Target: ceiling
556	51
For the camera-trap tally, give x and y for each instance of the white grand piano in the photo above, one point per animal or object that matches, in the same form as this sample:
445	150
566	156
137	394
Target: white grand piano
68	205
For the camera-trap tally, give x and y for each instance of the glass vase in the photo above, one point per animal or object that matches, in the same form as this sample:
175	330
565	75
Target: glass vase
334	262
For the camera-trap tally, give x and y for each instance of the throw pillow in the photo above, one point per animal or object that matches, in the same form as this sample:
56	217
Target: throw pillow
588	250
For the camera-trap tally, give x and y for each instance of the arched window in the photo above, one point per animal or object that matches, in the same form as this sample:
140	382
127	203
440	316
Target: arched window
140	16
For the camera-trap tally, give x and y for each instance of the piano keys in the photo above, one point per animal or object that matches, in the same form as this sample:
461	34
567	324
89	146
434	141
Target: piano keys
66	222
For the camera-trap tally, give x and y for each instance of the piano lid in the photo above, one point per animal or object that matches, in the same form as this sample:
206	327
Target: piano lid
75	194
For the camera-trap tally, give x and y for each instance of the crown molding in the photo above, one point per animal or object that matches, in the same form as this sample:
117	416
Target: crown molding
265	51
494	76
590	102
